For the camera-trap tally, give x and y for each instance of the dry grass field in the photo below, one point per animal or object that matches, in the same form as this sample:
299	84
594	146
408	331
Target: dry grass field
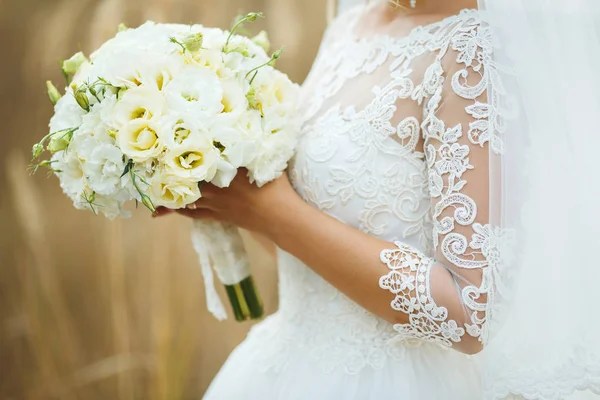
92	309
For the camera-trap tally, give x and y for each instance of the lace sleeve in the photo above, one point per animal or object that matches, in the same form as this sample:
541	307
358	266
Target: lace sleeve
445	297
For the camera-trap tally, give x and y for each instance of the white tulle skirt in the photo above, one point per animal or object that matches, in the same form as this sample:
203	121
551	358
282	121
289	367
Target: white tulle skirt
274	362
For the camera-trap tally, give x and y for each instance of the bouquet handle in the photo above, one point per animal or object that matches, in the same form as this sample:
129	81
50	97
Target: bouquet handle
220	247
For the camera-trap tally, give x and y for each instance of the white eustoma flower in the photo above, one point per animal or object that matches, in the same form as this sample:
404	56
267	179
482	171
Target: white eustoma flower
158	70
109	206
274	94
271	159
181	116
179	127
98	122
83	72
67	113
172	191
195	91
104	169
140	139
240	136
233	98
140	102
224	174
193	159
209	58
70	173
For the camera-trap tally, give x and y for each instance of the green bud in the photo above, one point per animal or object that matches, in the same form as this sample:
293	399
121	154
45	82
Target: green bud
148	203
262	40
53	93
251	97
71	66
82	99
121	92
122	27
59	141
251	17
274	57
37	150
193	42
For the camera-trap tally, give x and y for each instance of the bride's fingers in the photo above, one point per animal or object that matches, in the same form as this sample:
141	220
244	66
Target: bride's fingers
202	203
199	213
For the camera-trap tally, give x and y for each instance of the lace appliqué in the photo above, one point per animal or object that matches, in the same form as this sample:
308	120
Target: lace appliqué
448	161
408	280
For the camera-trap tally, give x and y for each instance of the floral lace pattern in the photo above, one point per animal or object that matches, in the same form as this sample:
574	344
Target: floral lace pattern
386	164
448	152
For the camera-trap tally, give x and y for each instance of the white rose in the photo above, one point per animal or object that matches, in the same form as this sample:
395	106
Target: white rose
194	159
195	91
172	191
104	169
140	139
140	102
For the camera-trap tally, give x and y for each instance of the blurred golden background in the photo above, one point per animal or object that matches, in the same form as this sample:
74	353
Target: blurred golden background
92	309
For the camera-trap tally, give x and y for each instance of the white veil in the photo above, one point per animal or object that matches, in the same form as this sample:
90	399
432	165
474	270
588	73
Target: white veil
546	344
544	339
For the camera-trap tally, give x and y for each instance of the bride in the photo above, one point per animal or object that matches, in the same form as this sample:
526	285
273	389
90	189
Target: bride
387	234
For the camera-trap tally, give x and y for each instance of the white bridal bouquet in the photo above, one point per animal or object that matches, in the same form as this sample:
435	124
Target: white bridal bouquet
159	110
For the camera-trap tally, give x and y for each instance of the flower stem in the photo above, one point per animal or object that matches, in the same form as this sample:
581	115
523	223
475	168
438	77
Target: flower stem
244	299
274	57
249	17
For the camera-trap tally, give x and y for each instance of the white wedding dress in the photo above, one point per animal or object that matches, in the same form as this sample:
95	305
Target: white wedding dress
390	122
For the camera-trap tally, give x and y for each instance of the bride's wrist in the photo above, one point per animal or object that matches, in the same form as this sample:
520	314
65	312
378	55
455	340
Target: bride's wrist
285	219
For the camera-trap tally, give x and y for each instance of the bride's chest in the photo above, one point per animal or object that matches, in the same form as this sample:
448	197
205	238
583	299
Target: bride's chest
362	168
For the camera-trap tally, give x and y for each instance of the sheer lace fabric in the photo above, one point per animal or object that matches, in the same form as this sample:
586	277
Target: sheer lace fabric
424	101
397	136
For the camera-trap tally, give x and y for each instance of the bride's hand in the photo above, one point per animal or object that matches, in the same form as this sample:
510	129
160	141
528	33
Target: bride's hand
242	203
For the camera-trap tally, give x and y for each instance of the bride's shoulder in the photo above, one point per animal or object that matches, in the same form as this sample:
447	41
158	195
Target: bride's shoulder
466	35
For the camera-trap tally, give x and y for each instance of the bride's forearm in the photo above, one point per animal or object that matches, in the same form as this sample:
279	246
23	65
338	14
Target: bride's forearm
350	260
266	243
341	254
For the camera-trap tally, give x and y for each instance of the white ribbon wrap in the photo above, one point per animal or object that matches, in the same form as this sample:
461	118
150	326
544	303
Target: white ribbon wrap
222	245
